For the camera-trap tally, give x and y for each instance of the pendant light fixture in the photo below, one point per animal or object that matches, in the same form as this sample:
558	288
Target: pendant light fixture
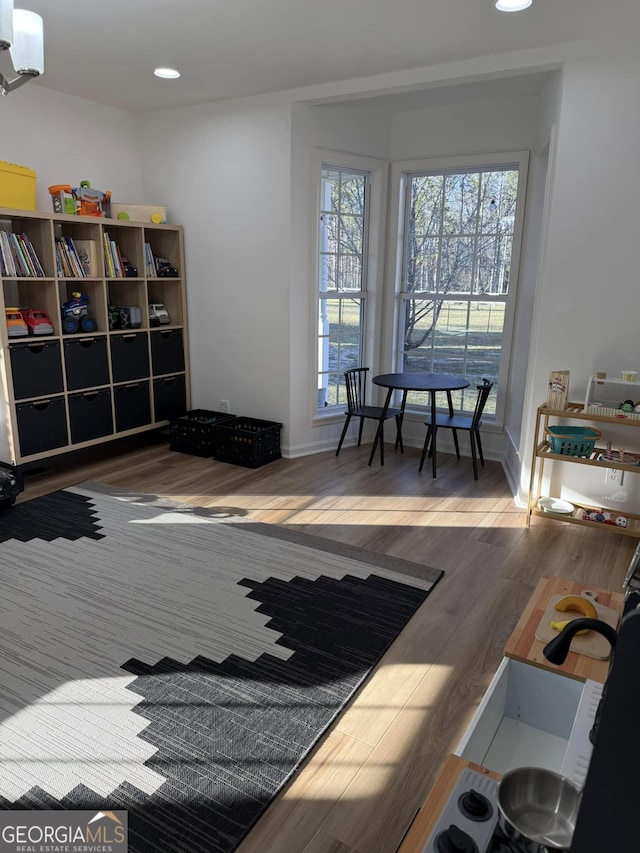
512	5
21	33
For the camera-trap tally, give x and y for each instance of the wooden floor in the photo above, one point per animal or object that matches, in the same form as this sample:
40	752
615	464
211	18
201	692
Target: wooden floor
362	785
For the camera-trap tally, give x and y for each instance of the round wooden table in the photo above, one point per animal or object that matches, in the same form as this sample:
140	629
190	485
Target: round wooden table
405	382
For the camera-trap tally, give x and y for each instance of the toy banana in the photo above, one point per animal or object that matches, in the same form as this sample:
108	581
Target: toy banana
558	626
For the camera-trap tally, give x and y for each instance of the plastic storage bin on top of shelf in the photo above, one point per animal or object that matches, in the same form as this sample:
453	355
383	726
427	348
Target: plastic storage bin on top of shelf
604	396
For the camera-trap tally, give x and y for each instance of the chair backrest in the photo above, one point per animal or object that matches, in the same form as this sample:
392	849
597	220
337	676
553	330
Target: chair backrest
356	380
483	392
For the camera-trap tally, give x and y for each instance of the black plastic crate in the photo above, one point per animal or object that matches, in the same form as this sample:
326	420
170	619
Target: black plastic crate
194	432
247	441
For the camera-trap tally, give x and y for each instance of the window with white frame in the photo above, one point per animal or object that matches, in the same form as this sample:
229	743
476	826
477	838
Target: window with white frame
461	238
342	278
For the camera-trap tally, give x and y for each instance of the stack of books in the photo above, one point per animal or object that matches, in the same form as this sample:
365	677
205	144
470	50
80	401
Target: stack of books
18	258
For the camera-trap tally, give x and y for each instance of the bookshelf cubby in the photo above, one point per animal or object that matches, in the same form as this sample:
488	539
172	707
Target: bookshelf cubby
80	398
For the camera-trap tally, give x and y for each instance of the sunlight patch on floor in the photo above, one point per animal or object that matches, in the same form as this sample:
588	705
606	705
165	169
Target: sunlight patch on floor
402	511
398	700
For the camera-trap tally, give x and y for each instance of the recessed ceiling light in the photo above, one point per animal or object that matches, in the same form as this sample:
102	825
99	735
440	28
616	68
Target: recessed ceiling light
171	73
512	5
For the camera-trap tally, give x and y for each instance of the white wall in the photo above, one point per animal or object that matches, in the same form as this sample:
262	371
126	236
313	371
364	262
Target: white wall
66	140
588	303
530	266
224	172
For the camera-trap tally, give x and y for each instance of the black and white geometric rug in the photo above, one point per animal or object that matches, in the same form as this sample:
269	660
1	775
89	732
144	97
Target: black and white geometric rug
177	662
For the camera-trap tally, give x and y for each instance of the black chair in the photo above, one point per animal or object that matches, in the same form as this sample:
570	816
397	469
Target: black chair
356	380
470	423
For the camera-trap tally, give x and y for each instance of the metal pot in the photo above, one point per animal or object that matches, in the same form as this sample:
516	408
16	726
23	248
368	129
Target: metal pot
537	809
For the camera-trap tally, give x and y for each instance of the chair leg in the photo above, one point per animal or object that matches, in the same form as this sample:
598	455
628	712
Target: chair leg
344	432
399	433
431	436
455	441
479	447
382	442
473	454
424	448
360	431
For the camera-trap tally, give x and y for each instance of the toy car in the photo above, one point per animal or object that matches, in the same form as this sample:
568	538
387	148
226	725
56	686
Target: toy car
130	317
164	268
158	314
37	321
10	485
16	326
128	269
75	314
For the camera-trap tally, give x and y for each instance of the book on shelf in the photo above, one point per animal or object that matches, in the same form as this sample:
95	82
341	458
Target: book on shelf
149	262
115	256
33	255
108	259
76	266
66	253
7	254
18	258
87	251
31	270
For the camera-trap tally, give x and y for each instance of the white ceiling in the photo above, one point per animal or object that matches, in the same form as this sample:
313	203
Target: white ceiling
106	50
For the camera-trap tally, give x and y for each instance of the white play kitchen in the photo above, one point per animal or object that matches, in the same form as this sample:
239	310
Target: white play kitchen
534	715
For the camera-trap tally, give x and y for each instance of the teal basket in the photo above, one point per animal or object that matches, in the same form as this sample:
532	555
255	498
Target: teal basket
572	441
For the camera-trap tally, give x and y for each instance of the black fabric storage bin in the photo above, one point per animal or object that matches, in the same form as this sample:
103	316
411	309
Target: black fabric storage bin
129	356
167	351
132	405
169	397
90	415
36	369
85	363
42	425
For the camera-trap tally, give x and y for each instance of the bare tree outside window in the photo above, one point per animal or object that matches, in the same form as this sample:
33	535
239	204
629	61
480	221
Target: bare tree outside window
459	230
342	279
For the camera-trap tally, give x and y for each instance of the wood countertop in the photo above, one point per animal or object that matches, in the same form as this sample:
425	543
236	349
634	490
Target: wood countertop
522	645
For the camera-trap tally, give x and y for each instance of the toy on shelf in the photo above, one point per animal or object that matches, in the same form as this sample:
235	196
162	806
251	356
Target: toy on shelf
16	326
81	201
10	485
124	317
38	323
605	517
158	314
75	314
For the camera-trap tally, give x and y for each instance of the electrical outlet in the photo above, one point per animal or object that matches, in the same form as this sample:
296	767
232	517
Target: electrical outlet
614	476
225	406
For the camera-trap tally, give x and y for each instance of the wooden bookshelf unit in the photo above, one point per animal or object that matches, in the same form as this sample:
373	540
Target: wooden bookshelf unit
64	391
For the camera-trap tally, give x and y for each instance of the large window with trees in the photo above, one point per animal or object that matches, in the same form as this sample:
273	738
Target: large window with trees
342	278
460	227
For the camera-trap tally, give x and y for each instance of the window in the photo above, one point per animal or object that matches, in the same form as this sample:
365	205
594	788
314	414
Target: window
342	278
460	229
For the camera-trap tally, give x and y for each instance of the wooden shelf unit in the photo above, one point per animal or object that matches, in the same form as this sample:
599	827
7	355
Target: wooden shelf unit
136	378
543	453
